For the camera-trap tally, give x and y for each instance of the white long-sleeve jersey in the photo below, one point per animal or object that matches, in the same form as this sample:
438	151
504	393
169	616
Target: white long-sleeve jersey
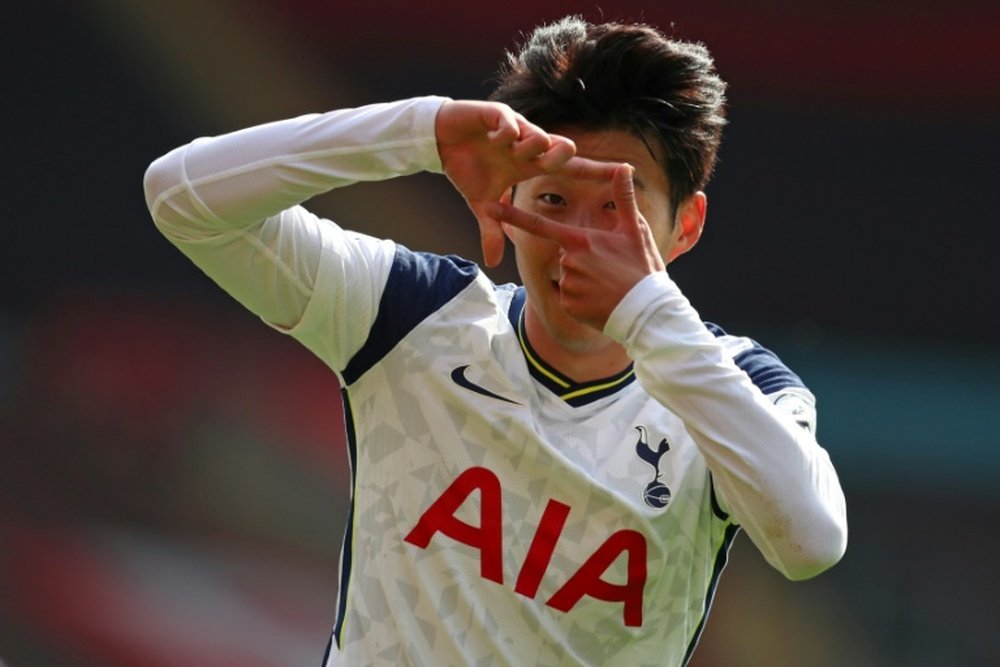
502	514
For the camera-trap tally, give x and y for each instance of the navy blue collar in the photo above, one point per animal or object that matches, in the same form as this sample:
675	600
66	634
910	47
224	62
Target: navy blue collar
574	393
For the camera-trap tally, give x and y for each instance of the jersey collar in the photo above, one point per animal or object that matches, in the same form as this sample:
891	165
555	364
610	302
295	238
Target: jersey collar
574	393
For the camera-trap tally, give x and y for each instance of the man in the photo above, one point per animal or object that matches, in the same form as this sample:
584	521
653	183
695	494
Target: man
542	475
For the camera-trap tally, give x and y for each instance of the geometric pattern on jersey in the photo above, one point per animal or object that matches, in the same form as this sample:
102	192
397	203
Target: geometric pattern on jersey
414	431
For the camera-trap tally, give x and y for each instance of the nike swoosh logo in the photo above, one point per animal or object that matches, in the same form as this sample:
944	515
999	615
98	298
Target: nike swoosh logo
458	377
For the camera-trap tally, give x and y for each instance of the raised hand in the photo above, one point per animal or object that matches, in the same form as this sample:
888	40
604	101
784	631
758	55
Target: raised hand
598	265
486	148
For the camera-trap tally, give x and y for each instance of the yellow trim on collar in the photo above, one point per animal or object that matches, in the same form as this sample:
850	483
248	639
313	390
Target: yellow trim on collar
597	387
576	393
521	338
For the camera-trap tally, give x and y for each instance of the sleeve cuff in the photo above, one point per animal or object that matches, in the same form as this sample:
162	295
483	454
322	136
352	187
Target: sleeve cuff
631	312
424	126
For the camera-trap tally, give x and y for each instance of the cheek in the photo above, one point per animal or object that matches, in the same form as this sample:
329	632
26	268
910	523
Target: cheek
664	242
534	258
661	227
532	246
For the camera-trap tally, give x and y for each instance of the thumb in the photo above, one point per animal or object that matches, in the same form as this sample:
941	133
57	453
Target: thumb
491	238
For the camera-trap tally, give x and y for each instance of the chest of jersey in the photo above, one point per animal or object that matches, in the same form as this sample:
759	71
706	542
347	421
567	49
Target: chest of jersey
472	475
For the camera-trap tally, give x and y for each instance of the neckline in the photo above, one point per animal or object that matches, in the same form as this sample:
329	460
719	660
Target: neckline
573	393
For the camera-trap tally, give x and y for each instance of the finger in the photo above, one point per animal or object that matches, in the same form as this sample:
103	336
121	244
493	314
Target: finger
585	168
560	151
623	190
532	145
533	142
533	223
505	126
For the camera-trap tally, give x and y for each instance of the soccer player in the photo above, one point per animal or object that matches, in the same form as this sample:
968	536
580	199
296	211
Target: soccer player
546	474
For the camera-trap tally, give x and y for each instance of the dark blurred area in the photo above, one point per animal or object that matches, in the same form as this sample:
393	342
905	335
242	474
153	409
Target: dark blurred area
173	481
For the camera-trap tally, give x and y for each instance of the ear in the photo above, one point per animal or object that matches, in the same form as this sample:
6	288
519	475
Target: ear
688	224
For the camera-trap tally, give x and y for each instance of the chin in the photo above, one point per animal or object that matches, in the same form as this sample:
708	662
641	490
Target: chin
574	335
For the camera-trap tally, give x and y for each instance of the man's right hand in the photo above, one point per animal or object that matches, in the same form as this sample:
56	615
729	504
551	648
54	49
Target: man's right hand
485	149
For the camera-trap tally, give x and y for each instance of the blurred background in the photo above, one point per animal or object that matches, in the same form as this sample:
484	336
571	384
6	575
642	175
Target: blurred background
173	481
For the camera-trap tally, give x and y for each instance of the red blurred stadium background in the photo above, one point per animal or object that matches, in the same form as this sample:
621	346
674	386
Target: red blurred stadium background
172	473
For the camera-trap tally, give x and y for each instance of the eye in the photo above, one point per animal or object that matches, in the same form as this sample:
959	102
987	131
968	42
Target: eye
552	199
610	206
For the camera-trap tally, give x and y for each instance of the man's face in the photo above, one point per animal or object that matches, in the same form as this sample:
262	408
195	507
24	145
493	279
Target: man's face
584	203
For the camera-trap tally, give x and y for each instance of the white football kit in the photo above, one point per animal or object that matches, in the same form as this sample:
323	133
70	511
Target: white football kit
501	513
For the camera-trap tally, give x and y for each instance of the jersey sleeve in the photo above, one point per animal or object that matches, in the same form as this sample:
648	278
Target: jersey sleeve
771	474
232	204
771	376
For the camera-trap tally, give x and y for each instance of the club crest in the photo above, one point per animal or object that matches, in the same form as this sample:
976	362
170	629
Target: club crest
656	493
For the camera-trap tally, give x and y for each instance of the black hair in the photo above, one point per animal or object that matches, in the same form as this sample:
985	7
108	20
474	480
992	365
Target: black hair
572	74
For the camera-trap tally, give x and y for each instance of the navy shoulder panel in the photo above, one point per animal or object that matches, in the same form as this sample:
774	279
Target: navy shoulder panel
419	283
765	369
516	306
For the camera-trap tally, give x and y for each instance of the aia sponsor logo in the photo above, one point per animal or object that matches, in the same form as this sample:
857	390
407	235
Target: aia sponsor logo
488	539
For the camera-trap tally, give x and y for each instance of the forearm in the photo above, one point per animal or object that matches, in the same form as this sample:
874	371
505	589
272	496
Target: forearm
239	179
776	481
230	204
